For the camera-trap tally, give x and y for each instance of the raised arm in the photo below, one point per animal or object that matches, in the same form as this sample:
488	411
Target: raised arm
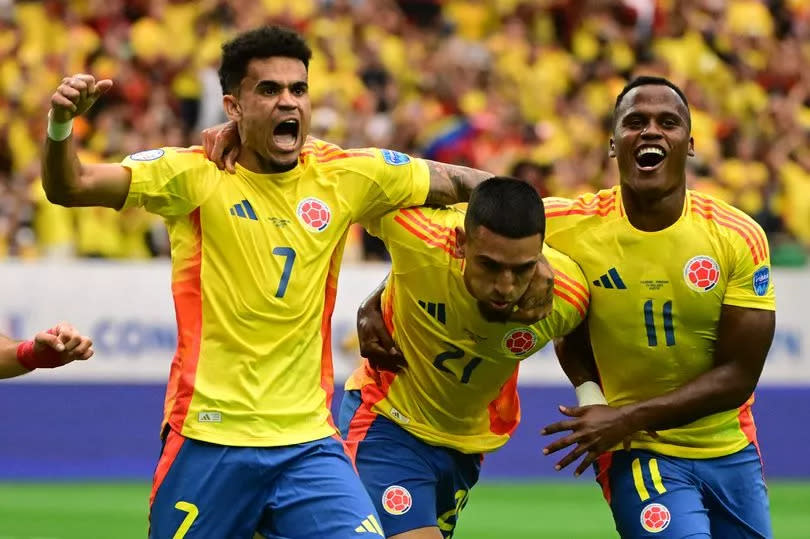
65	179
48	349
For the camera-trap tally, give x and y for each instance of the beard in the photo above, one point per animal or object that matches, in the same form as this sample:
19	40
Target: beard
493	315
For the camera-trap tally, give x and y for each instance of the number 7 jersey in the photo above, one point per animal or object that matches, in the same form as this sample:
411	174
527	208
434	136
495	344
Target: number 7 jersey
255	259
656	299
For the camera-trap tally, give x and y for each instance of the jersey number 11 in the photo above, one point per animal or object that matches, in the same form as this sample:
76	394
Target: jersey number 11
649	323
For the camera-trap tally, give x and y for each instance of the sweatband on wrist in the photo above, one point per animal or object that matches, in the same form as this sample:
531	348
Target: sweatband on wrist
25	354
46	359
59	131
590	393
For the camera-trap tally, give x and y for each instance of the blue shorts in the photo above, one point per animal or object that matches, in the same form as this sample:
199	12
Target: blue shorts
412	484
652	495
204	490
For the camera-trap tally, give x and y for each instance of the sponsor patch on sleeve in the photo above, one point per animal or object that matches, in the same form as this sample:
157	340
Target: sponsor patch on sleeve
395	158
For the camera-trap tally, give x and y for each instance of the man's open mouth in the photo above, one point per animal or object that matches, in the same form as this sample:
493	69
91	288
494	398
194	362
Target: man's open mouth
285	135
500	305
650	157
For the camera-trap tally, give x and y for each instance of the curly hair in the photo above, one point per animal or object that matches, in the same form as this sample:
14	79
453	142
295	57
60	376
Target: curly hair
263	42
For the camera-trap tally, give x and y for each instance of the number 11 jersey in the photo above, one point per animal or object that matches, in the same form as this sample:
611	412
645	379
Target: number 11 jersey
656	299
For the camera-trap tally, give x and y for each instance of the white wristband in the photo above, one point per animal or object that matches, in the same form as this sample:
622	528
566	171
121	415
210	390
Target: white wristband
59	131
590	393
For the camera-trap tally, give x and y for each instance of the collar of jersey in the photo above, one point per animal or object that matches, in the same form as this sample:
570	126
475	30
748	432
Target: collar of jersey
279	177
687	206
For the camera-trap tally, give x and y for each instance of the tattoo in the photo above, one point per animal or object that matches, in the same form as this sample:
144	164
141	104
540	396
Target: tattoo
450	184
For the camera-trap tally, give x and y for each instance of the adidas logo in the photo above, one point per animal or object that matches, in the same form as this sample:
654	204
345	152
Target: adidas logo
436	310
370	525
245	210
610	279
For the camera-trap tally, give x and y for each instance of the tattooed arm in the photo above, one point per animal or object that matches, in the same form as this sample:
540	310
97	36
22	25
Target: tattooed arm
450	184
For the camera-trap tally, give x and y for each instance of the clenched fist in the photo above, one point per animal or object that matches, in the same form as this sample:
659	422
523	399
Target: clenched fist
75	95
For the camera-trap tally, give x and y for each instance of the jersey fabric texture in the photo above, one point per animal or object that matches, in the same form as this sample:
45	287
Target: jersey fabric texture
656	299
460	387
255	259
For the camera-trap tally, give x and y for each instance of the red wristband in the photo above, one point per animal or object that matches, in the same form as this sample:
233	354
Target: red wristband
28	358
25	355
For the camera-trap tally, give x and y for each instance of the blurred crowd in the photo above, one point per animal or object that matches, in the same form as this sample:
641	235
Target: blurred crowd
522	87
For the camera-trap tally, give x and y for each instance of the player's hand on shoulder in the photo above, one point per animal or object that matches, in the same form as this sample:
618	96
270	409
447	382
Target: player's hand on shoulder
538	300
65	341
221	143
376	343
76	95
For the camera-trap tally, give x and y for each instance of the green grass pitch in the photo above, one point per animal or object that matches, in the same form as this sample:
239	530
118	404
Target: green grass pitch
573	510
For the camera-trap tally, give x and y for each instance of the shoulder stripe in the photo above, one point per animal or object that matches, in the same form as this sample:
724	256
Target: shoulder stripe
445	241
562	295
755	239
417	215
319	146
571	294
575	285
602	209
428	226
193	149
727	224
420	221
753	230
339	154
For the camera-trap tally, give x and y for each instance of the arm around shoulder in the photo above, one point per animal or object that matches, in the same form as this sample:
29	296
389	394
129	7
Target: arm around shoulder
450	184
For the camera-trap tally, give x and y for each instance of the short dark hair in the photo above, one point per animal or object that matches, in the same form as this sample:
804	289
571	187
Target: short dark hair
264	42
646	80
507	206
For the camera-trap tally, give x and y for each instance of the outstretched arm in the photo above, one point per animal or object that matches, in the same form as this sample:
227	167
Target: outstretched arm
65	179
744	338
48	349
449	184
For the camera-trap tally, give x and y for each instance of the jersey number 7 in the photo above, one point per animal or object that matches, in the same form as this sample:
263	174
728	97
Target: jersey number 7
289	254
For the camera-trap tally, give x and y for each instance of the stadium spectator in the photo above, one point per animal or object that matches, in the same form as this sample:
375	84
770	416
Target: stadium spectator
485	83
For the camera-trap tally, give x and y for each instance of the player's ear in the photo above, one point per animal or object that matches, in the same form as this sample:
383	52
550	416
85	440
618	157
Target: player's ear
461	241
691	151
612	151
232	108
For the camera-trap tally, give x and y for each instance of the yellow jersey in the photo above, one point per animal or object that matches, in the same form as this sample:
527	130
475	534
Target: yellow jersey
656	299
459	388
255	260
